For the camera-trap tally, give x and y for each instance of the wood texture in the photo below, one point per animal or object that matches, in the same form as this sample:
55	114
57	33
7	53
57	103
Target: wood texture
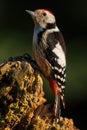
22	98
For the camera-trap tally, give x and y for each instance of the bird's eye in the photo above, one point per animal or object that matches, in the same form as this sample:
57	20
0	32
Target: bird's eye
44	14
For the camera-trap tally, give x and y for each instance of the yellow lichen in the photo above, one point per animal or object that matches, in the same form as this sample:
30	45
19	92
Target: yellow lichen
22	98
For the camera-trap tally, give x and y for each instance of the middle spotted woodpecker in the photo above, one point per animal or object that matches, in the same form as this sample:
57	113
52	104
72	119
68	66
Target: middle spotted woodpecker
50	53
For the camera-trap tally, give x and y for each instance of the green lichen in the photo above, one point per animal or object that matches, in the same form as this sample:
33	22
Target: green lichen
21	93
21	98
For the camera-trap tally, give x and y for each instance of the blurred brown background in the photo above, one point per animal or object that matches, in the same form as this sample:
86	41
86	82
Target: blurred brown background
16	30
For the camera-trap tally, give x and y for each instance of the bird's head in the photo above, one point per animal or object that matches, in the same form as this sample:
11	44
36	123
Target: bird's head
42	18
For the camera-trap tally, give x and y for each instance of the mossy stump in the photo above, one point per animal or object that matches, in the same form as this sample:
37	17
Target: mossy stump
22	98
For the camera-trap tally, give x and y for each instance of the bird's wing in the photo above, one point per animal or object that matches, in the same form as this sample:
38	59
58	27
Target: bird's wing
53	56
56	57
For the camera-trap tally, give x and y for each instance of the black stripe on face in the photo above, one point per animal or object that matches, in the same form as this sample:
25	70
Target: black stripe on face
51	25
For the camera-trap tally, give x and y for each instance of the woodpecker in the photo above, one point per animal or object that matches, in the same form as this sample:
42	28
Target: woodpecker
50	54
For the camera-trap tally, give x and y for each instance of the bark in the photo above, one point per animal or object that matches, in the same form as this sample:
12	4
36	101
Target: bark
22	98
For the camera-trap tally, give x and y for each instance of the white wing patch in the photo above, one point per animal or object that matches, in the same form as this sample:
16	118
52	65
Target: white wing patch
60	53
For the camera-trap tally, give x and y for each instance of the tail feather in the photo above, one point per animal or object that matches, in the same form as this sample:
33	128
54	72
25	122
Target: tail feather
57	107
58	98
62	99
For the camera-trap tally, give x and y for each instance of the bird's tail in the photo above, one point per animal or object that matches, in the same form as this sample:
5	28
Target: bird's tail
62	98
57	105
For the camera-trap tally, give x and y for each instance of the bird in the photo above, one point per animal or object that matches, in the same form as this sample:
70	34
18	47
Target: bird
49	51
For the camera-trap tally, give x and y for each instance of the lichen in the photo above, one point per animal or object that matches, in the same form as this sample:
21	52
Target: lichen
21	93
22	98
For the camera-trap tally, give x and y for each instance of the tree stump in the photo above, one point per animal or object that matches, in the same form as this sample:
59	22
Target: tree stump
22	98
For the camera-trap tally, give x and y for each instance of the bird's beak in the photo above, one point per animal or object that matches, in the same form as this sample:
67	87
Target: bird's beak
31	13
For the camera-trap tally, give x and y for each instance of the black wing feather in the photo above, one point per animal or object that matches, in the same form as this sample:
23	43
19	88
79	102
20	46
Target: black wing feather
53	39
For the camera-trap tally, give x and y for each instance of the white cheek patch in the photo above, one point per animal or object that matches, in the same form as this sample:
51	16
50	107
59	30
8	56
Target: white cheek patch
60	53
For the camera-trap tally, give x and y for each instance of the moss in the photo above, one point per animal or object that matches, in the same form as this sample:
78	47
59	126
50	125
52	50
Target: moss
21	93
22	98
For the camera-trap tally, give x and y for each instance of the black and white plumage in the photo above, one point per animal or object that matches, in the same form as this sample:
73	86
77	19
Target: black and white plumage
49	52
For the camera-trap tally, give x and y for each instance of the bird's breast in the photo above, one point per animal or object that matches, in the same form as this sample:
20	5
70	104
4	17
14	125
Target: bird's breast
41	61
